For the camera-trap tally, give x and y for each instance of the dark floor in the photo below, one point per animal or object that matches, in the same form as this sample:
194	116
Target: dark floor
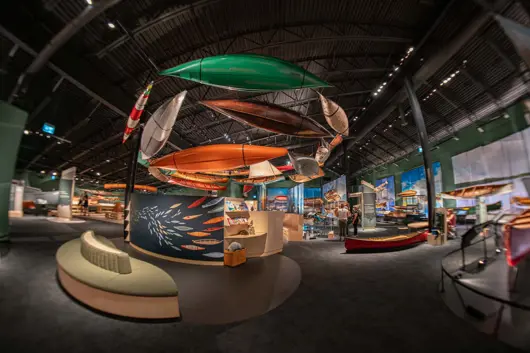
384	302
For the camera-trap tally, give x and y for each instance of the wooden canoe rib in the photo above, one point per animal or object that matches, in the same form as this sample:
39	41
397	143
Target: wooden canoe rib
246	72
270	117
335	116
213	158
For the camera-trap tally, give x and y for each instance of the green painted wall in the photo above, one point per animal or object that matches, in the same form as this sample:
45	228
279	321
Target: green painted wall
469	138
12	122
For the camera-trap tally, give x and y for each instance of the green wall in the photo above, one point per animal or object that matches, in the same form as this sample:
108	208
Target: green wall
469	138
12	122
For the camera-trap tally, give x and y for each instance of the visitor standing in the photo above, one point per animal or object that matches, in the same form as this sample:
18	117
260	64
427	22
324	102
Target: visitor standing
356	218
342	214
85	205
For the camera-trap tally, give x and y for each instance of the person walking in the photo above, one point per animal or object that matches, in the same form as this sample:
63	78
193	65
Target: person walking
342	214
85	205
356	219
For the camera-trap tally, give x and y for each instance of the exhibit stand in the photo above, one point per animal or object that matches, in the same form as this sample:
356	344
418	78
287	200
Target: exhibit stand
198	230
16	199
368	212
66	191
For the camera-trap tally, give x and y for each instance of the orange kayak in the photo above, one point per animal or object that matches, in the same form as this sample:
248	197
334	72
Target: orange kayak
213	158
201	178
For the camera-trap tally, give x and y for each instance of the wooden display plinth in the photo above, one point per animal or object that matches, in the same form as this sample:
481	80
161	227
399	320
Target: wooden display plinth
235	258
435	241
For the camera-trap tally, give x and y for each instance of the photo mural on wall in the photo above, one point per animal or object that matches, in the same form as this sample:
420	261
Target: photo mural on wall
386	198
186	227
415	180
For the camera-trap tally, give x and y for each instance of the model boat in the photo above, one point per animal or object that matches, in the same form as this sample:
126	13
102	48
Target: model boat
159	126
298	178
332	195
246	72
395	241
335	116
183	182
517	238
269	117
408	193
201	178
212	158
478	191
261	180
136	113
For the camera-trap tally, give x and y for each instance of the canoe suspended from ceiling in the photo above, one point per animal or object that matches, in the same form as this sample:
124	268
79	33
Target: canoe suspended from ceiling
246	72
297	178
136	113
235	172
270	117
521	201
335	116
324	150
478	191
304	165
247	188
159	126
183	182
213	158
145	188
262	180
263	169
517	238
285	168
201	178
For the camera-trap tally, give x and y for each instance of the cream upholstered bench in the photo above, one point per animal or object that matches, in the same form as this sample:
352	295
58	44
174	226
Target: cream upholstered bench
101	276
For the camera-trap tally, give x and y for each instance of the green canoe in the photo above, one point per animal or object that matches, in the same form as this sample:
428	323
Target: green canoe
246	72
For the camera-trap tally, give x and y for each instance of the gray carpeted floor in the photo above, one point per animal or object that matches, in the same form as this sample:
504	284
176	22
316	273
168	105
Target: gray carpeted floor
382	302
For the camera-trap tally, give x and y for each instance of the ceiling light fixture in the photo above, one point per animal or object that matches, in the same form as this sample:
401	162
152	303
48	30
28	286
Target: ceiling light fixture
89	2
108	160
479	129
98	173
111	25
375	93
54	173
42	171
456	138
26	132
506	116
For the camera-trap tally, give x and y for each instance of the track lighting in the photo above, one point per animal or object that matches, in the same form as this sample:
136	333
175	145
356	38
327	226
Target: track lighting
111	25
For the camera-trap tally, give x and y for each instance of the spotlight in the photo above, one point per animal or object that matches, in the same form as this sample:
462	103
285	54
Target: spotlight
98	173
498	251
390	125
506	116
108	160
479	129
111	25
390	74
456	138
411	49
54	173
396	68
47	136
43	172
89	2
375	93
26	132
59	142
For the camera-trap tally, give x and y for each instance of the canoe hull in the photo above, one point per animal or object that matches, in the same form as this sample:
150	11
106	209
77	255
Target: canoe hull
270	117
335	116
352	244
213	158
246	72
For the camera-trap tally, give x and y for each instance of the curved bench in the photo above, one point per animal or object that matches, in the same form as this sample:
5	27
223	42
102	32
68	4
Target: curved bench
103	277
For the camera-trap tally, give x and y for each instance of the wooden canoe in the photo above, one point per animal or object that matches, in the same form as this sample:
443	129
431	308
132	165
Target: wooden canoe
136	187
478	191
297	178
246	72
335	116
270	117
201	178
395	241
212	158
408	193
182	182
521	201
258	180
234	172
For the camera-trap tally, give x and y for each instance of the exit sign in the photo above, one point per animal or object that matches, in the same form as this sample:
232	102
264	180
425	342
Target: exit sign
48	128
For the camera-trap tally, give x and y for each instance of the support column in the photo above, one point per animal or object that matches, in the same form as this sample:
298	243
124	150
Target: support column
131	177
12	122
426	153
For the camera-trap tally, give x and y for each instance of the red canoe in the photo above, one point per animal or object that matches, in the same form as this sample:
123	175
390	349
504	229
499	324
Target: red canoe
395	241
214	158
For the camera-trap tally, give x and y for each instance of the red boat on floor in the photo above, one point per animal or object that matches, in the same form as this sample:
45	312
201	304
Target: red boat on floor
395	241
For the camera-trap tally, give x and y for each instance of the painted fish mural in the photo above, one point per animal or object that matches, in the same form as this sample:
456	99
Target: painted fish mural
216	255
217	209
214	220
207	241
199	234
213	229
198	202
192	247
213	202
188	218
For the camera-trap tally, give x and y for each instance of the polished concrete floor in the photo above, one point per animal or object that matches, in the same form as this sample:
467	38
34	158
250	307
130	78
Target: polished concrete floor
382	302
